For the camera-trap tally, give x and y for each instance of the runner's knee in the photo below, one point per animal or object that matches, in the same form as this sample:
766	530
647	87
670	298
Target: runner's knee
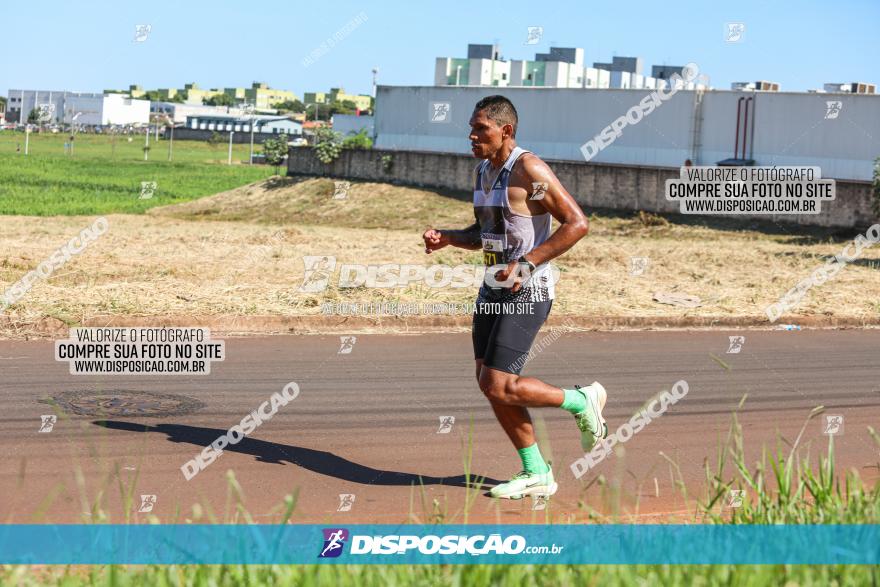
498	390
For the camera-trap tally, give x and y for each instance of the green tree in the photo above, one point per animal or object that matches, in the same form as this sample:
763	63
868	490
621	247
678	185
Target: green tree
275	151
34	116
328	145
343	107
290	106
219	100
358	141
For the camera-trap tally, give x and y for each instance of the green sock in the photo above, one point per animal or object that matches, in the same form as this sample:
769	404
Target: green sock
532	460
574	401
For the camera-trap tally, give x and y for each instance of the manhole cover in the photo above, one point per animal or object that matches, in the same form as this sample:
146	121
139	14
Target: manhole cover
124	402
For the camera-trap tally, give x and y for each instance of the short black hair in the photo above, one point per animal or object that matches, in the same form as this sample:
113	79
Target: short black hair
499	109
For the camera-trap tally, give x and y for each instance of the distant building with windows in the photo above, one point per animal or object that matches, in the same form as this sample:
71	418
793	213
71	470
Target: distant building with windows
228	123
561	67
624	64
361	101
483	66
81	108
178	113
259	94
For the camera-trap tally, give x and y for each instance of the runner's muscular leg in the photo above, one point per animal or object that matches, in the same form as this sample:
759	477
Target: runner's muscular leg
514	419
510	389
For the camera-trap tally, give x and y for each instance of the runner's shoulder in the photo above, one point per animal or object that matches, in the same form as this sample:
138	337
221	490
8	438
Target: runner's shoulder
529	167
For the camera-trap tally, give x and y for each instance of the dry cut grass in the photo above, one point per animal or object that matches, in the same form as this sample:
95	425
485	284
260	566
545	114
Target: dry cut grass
247	259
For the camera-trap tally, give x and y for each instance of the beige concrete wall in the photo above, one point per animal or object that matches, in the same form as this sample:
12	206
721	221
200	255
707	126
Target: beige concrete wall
622	187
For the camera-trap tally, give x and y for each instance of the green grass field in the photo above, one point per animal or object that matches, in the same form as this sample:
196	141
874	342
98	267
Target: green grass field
102	177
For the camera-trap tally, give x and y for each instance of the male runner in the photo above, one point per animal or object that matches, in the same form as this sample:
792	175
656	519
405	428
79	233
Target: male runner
515	196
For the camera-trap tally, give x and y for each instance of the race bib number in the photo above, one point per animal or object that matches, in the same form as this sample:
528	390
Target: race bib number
493	250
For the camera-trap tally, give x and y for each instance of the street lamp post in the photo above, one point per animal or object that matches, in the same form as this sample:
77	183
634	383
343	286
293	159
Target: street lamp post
73	130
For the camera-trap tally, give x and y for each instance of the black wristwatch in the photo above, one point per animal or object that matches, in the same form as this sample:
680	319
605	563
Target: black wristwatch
531	265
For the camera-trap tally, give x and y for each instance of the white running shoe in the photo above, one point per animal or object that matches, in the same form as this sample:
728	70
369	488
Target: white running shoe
590	422
523	484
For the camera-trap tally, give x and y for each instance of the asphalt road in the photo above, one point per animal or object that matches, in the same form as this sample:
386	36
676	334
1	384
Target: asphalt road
366	424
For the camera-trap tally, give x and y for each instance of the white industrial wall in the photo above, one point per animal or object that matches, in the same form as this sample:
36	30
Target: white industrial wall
790	128
90	106
553	122
121	110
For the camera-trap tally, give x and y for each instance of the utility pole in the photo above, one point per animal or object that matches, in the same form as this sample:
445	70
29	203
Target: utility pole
147	145
229	162
253	117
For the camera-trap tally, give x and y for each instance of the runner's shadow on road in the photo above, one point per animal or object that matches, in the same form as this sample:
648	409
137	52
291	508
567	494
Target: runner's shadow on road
319	461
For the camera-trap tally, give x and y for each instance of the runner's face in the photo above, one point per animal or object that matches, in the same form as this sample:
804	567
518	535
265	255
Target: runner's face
486	137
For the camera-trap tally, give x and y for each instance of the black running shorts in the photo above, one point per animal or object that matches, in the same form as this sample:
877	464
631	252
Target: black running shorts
503	332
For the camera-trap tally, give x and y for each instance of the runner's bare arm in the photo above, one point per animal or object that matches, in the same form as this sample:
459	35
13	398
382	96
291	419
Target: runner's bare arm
468	238
573	224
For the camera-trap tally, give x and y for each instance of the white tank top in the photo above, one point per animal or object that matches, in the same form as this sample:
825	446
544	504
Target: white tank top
507	235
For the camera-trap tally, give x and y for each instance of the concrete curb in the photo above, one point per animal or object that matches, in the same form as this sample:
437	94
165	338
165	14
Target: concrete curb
49	327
